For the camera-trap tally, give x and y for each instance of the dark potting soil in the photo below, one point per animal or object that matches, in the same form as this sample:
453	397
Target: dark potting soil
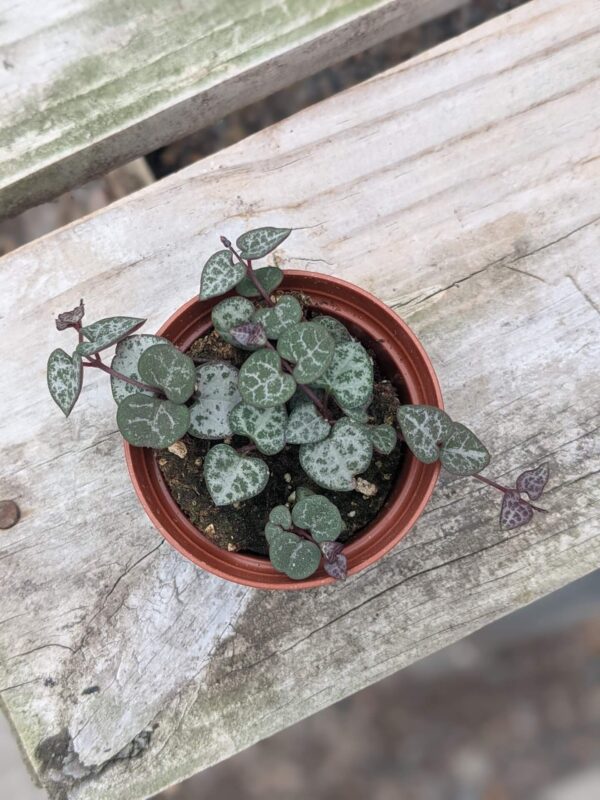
239	528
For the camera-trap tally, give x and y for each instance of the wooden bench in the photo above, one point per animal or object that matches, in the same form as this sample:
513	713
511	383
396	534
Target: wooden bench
462	187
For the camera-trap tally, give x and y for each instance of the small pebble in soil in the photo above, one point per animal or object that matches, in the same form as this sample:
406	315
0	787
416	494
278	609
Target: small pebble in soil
366	488
178	449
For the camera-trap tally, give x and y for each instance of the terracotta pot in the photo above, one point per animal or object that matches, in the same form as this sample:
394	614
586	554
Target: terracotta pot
401	357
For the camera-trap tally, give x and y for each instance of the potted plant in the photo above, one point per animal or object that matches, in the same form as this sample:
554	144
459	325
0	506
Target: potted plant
283	429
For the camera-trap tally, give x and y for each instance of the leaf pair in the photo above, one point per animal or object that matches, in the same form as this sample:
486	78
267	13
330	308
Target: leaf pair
514	511
431	434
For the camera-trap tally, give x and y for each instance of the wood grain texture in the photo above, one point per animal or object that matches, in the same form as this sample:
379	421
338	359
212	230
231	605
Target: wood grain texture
464	189
87	85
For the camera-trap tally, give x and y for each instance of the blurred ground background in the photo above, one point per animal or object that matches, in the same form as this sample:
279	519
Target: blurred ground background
510	713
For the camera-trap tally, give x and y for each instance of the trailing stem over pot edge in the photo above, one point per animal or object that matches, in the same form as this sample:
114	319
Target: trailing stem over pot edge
304	382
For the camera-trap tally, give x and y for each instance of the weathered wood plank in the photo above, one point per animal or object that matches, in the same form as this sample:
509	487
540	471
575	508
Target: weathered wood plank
463	188
87	85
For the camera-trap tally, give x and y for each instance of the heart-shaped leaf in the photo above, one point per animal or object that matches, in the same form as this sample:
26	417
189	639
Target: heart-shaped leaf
268	277
261	241
350	375
533	481
462	453
149	422
230	477
220	274
337	329
383	438
249	335
334	462
165	366
297	558
319	516
287	311
65	376
106	332
280	515
514	511
216	394
309	347
424	429
359	414
125	361
302	492
265	426
229	314
263	383
337	567
305	425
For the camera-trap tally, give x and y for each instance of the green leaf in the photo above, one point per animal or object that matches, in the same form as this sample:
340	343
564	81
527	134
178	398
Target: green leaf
296	557
335	461
149	422
106	332
220	274
231	478
65	376
350	375
125	361
308	346
165	366
336	328
302	492
263	383
359	414
462	453
423	427
216	394
230	313
268	277
271	531
287	311
306	425
383	438
280	515
261	241
265	426
319	516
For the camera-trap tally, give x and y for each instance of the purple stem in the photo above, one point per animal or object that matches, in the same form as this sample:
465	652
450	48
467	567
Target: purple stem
249	271
110	371
506	490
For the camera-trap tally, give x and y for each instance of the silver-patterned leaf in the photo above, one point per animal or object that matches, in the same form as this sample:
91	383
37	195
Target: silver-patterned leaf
65	376
281	515
261	241
287	311
231	478
295	557
216	395
268	277
262	381
319	516
149	422
337	329
424	428
462	453
165	366
514	511
305	425
533	481
265	426
383	437
308	346
249	335
359	414
350	375
106	332
125	361
335	461
220	274
229	314
337	567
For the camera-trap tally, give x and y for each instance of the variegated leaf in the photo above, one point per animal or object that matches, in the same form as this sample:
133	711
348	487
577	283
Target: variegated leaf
462	453
149	422
65	376
319	516
216	395
383	438
249	335
125	361
335	461
295	557
261	241
262	381
350	375
308	346
337	329
533	481
265	426
230	313
106	332
424	429
305	425
268	277
281	515
220	274
514	511
287	311
165	366
231	478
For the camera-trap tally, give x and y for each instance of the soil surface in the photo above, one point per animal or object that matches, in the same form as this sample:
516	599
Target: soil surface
239	528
